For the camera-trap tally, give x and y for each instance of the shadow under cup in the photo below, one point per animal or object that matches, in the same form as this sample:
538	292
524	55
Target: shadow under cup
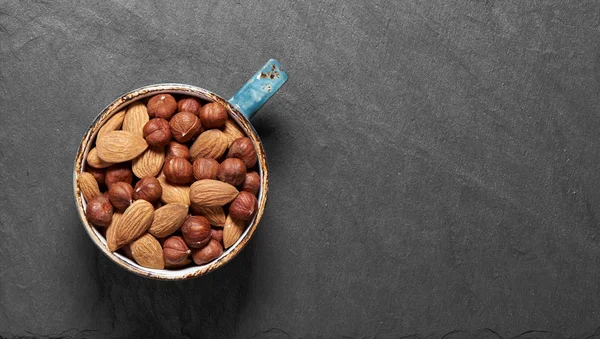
88	141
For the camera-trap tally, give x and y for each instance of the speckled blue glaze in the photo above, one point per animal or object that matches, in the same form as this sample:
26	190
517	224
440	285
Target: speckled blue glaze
259	88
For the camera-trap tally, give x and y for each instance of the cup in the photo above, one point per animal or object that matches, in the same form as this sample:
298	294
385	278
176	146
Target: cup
241	107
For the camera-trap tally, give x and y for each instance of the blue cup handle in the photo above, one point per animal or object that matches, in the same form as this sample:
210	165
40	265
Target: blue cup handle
259	88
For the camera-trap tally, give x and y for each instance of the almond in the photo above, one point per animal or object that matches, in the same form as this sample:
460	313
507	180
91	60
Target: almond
88	186
147	252
210	144
94	160
232	131
120	146
232	231
110	230
149	163
208	192
135	119
168	219
215	215
135	221
174	193
113	124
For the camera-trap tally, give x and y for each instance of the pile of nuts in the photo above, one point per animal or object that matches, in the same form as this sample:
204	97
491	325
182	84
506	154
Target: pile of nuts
170	182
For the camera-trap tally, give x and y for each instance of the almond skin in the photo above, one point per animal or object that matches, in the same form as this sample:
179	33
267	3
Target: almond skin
136	118
147	252
210	144
174	193
134	222
149	163
232	131
120	146
113	124
88	186
208	192
215	215
168	219
94	160
232	231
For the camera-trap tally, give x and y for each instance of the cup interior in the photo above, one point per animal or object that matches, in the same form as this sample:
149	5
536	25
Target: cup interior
89	139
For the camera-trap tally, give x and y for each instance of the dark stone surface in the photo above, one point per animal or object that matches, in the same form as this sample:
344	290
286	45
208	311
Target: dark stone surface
435	168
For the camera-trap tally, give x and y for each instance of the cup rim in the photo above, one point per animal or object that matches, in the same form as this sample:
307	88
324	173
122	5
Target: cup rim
84	147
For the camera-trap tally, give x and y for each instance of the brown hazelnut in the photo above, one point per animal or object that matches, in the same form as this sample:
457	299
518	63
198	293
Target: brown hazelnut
157	132
189	104
162	106
232	171
178	171
242	148
251	183
210	252
213	115
196	231
99	211
175	149
118	172
175	251
120	194
205	168
184	126
148	188
98	174
217	234
244	206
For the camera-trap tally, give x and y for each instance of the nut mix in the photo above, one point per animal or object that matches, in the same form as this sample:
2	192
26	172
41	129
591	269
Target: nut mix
171	181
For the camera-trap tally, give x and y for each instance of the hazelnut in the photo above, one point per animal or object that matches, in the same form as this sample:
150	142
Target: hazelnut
175	251
232	171
148	188
189	104
162	106
205	168
217	234
120	194
99	211
175	149
157	132
118	172
209	253
244	206
196	231
98	174
213	115
184	126
251	183
242	148
178	171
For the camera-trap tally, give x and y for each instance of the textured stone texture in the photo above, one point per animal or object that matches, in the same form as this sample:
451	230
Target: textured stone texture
435	168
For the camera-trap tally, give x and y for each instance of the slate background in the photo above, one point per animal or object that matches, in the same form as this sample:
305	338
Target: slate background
434	168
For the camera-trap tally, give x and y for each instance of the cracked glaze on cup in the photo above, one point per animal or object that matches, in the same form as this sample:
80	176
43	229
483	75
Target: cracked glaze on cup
241	108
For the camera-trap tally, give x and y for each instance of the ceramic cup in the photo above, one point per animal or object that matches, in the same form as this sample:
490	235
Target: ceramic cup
241	107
